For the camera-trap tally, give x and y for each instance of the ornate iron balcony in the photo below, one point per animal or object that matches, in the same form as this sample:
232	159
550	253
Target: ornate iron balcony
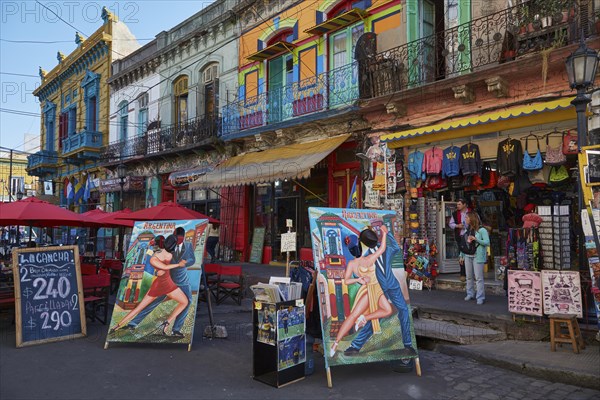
328	90
191	134
496	38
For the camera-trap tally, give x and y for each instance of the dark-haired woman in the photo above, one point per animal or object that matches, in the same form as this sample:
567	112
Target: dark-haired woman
162	285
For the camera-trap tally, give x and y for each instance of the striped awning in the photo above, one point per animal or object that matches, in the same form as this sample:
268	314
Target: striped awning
287	162
508	118
272	50
340	21
183	178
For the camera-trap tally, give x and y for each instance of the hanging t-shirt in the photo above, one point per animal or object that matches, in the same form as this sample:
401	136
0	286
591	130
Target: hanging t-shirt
470	159
450	162
432	161
400	184
415	166
509	159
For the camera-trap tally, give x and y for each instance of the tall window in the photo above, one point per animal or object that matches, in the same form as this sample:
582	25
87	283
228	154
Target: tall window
343	43
211	90
123	119
72	120
91	121
142	113
49	124
180	92
91	93
63	128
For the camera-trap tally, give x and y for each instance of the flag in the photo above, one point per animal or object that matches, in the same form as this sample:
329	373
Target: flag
70	192
353	198
65	187
88	187
79	188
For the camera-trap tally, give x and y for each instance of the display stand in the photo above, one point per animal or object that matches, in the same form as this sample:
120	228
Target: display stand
271	343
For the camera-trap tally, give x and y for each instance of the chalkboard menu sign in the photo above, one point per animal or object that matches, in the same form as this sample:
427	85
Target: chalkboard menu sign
258	240
49	302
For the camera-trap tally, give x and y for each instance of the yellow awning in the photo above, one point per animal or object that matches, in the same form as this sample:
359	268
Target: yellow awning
272	50
509	118
293	161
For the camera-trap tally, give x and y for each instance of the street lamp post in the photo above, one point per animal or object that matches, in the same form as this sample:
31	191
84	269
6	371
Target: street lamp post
19	198
121	174
581	68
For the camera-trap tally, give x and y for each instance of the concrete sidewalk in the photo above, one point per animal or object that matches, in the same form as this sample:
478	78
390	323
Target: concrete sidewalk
529	357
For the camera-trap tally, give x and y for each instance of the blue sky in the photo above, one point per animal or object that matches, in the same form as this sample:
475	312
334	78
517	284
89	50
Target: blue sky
31	36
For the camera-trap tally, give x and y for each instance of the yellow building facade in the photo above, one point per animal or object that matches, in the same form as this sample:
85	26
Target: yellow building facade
14	177
74	101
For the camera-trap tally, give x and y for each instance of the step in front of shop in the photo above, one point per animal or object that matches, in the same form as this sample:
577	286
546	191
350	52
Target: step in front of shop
445	331
453	282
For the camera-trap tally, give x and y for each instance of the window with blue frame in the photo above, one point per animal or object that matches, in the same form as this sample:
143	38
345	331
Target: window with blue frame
49	124
72	120
142	113
91	93
123	119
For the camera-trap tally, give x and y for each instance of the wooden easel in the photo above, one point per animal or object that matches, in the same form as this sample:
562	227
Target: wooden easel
330	383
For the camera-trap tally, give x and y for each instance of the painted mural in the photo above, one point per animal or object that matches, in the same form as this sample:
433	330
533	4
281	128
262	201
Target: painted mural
364	308
158	292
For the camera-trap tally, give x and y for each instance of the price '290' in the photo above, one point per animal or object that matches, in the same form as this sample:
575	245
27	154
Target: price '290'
63	288
62	319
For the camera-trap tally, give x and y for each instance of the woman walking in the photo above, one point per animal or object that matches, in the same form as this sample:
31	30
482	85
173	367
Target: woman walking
477	236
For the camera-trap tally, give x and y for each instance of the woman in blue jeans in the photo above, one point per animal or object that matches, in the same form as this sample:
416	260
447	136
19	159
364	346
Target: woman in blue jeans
474	263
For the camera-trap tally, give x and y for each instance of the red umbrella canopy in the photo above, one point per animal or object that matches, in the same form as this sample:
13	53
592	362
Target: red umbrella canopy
35	212
109	219
166	211
106	219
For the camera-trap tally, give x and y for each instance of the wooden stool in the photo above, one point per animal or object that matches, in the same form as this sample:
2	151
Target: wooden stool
557	336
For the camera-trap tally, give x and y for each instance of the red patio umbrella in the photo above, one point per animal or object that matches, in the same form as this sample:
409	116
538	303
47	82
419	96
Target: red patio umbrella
35	212
112	219
165	211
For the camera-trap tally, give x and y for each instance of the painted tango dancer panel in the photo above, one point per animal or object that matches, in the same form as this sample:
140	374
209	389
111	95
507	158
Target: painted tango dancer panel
525	292
158	292
562	292
363	300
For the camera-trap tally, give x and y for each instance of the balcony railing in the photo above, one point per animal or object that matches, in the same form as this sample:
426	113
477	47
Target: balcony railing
496	38
84	140
42	162
190	134
328	90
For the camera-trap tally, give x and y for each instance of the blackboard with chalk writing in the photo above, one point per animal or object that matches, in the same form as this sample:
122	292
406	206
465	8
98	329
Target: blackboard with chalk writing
258	241
49	303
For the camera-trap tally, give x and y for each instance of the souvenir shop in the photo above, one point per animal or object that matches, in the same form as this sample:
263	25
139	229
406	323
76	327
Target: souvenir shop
522	182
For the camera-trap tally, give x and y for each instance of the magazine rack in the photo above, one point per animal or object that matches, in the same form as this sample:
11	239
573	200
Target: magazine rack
278	344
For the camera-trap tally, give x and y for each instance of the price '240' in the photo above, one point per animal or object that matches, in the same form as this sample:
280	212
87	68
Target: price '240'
46	288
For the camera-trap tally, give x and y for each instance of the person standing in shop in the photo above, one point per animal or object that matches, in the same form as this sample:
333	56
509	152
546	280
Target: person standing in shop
474	263
457	222
211	241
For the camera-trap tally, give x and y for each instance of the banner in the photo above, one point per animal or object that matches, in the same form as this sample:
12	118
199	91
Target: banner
363	299
158	292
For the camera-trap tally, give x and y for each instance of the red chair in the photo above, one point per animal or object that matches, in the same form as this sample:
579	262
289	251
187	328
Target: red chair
211	272
96	289
230	284
115	269
88	269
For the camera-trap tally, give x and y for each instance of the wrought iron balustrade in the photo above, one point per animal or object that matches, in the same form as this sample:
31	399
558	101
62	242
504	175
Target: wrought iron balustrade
167	138
331	89
493	39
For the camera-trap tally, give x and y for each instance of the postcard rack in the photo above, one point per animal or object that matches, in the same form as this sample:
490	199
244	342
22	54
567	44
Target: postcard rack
278	354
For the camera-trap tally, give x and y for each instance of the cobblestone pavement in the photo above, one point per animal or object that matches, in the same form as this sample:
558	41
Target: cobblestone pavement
222	369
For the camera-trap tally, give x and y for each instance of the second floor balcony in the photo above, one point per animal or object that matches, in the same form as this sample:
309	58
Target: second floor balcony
329	90
82	145
195	133
42	162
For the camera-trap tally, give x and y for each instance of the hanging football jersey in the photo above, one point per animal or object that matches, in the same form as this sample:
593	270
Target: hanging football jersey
470	159
450	162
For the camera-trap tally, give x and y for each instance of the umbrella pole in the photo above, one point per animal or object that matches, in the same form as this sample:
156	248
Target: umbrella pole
30	232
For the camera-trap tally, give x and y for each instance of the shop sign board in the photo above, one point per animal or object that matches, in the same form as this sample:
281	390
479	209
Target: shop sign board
258	241
525	292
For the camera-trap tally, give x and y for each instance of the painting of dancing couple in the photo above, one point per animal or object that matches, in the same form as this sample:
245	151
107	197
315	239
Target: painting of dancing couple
158	292
362	288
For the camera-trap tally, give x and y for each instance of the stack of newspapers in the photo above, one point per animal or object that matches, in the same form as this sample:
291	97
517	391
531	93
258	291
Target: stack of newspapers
278	289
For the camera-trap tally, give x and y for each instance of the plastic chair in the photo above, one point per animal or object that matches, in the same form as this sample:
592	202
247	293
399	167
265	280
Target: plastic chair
231	284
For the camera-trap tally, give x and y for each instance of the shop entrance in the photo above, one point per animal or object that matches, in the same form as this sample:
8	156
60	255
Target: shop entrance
285	208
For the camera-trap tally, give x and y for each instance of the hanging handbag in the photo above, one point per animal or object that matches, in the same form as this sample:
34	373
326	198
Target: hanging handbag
554	155
569	143
532	163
